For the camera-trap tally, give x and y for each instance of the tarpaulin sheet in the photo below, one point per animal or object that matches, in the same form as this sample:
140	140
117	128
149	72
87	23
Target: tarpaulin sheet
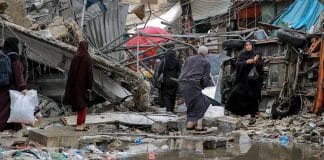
302	13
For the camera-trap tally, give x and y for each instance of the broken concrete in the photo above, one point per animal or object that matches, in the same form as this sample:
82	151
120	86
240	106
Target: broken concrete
3	6
159	128
17	13
224	124
56	136
122	118
57	55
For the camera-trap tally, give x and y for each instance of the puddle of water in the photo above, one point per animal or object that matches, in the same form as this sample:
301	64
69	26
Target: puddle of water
194	150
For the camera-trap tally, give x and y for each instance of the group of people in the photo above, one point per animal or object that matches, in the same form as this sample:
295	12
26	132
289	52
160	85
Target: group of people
78	87
191	77
194	75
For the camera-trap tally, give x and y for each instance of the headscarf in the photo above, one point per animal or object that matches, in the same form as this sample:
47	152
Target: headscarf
11	45
171	60
83	48
248	54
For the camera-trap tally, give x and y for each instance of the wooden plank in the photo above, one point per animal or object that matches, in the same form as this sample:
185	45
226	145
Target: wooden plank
319	101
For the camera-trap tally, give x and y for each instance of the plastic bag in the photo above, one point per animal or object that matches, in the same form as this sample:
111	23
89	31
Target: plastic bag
22	106
253	74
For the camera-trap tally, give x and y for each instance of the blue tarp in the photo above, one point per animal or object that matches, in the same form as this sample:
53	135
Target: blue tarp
302	13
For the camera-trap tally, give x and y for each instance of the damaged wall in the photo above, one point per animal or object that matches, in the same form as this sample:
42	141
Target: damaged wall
17	12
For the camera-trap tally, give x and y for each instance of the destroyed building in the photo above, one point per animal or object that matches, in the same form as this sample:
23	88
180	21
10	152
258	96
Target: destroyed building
49	31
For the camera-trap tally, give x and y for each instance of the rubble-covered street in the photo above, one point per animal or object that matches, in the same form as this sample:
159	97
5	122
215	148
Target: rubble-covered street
127	41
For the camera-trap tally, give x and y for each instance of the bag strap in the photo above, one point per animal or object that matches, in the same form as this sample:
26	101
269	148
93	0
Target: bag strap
12	53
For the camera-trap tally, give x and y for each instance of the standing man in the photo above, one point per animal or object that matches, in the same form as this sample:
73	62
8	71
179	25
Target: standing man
79	84
195	76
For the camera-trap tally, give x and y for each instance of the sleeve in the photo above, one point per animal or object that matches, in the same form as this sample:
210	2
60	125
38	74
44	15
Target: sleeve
206	76
241	61
90	74
240	67
179	69
67	93
18	75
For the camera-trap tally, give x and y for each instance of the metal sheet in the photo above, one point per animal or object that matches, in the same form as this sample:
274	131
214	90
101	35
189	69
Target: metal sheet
202	9
103	27
58	55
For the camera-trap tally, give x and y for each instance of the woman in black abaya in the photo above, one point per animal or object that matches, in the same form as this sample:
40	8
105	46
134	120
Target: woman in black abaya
246	94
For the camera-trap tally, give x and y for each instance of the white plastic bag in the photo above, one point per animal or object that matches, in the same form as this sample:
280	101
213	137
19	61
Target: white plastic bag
214	112
22	106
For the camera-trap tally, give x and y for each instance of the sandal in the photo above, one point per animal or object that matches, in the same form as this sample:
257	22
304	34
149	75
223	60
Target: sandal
200	129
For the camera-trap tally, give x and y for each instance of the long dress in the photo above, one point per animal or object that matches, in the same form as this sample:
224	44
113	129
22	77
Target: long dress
246	93
195	76
80	80
169	87
17	83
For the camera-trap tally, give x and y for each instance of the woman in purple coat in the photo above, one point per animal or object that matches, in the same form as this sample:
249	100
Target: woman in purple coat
17	82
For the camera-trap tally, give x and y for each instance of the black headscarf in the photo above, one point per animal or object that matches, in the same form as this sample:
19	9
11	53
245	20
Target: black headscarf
11	45
247	54
171	60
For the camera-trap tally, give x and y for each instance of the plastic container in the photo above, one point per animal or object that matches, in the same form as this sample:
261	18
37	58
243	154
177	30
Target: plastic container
284	140
138	141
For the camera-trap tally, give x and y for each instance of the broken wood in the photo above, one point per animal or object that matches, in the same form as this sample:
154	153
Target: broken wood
319	101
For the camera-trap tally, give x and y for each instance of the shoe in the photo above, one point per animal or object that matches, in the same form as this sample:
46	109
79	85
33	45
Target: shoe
252	121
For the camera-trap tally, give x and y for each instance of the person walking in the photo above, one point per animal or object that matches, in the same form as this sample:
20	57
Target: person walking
17	82
170	67
79	84
195	76
245	96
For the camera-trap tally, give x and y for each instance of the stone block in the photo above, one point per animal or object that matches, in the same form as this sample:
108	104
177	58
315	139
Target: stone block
224	124
56	136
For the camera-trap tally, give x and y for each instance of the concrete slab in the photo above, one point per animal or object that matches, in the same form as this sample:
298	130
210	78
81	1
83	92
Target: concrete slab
129	118
10	141
224	124
57	136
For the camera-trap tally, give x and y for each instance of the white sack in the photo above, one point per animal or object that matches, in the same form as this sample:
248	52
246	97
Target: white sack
22	106
214	112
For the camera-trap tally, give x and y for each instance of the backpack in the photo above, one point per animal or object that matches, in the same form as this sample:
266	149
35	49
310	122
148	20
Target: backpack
5	68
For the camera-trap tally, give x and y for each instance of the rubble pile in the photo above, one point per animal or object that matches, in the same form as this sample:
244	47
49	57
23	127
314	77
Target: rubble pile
306	128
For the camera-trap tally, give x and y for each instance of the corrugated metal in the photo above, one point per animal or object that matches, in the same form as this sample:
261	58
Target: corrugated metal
202	9
101	28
